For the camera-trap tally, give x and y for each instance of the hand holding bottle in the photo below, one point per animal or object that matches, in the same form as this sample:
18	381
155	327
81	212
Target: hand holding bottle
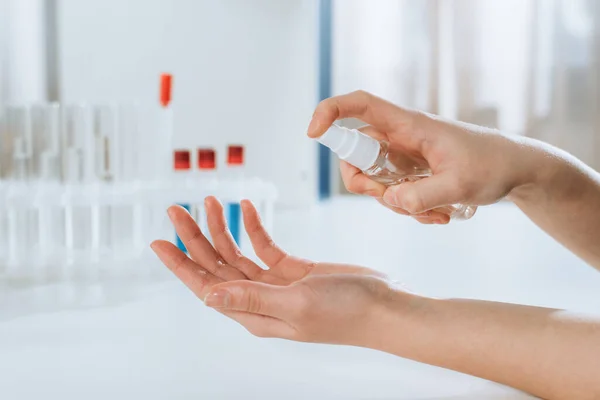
469	164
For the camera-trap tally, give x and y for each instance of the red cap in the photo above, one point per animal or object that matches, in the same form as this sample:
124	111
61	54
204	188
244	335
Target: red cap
182	160
235	155
207	159
166	84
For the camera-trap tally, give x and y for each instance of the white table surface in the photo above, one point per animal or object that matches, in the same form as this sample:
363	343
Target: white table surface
164	344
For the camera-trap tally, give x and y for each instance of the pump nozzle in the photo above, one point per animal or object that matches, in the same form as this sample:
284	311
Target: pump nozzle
352	146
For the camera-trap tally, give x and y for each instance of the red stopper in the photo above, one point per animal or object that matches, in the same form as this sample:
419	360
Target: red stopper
235	155
207	159
182	160
166	84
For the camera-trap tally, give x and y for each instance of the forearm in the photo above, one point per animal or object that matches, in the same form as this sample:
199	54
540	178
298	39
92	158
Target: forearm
562	196
550	353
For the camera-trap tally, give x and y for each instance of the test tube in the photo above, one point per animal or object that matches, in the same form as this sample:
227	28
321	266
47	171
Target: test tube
129	176
46	121
207	165
182	165
19	130
128	157
3	187
3	227
21	222
165	137
235	164
123	155
78	170
105	224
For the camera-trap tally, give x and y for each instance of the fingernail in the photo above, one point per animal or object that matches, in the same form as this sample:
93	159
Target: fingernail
389	197
217	299
314	123
170	213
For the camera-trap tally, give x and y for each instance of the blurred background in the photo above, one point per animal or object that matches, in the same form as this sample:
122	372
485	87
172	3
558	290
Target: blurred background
251	72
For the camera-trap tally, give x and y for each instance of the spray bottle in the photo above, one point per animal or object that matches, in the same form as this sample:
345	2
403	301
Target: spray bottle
375	160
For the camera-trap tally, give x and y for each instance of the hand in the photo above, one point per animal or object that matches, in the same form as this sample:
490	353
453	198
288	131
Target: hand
293	299
549	353
471	165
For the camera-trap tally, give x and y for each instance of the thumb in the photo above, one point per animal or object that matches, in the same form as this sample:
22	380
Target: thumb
248	296
424	194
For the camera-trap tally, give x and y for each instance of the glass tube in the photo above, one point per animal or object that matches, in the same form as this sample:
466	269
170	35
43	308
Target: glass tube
77	171
46	120
127	219
3	186
20	219
19	143
105	161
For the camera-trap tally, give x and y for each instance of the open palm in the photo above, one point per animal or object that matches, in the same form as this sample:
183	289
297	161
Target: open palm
225	262
294	287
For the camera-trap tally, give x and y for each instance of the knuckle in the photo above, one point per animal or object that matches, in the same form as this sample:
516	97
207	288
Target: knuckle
252	301
222	229
361	94
238	256
195	237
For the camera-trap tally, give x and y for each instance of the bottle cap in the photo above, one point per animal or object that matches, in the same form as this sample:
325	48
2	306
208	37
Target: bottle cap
352	146
235	155
207	159
182	160
166	87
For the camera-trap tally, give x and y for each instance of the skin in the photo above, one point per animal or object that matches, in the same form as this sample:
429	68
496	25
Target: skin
553	354
474	165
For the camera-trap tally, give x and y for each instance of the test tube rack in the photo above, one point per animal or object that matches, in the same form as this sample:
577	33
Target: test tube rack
84	190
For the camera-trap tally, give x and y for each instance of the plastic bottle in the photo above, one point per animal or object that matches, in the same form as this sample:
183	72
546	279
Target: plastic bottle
376	160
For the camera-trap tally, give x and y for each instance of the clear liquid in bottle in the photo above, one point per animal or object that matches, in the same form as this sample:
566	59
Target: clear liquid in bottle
394	168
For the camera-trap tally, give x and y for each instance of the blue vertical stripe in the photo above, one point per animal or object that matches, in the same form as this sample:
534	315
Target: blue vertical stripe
235	216
325	47
179	242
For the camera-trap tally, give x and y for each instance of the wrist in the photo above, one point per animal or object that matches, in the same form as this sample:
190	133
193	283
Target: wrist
398	321
537	168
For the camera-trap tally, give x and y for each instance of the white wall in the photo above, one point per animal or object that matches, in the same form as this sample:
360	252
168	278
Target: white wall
22	52
245	71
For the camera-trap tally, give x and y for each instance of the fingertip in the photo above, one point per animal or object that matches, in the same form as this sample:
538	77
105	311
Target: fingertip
442	219
322	118
424	220
171	212
390	198
175	210
155	245
163	248
313	130
247	205
209	200
212	203
217	298
250	211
